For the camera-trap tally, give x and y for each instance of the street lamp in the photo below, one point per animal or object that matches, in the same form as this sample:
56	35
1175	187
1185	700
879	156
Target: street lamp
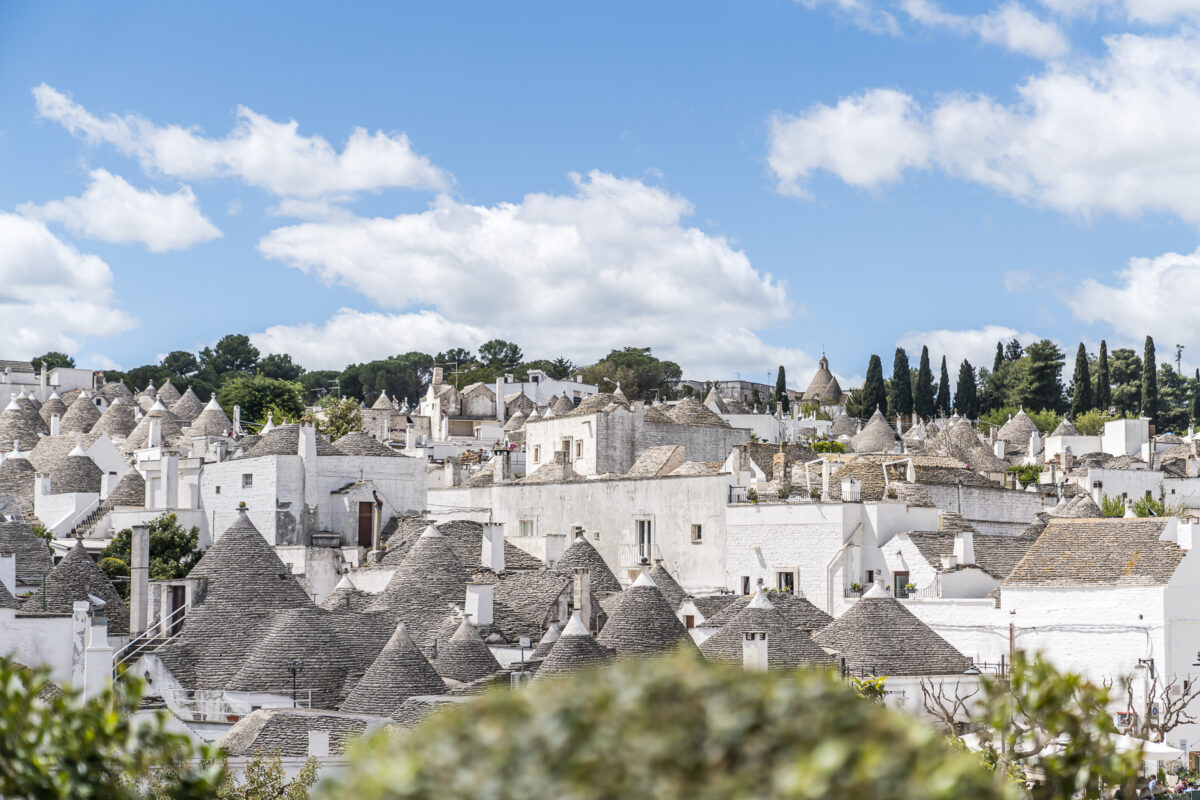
294	666
1149	663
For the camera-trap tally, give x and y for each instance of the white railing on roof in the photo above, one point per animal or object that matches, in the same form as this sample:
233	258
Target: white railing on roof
198	705
145	641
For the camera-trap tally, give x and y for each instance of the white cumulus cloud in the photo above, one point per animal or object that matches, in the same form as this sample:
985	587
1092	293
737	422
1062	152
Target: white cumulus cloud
260	151
1149	12
1151	296
610	264
51	295
976	345
111	210
1115	134
1010	25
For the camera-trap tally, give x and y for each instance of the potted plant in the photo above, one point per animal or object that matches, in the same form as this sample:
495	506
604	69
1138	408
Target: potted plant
856	588
910	589
783	492
752	496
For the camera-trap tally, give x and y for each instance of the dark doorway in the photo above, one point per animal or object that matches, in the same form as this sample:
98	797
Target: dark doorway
178	601
365	513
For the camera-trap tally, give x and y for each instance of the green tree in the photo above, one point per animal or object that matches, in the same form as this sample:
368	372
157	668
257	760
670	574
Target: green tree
281	366
670	729
1126	368
500	355
1091	423
781	393
966	395
232	353
319	383
263	778
255	393
1013	351
1175	392
1056	726
1149	383
639	373
341	416
943	395
999	357
900	398
1103	396
1041	376
1081	384
561	368
138	377
923	401
1196	400
174	550
404	377
181	363
52	360
874	395
56	745
1112	506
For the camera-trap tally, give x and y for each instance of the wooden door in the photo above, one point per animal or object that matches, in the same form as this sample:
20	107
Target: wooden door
365	511
178	601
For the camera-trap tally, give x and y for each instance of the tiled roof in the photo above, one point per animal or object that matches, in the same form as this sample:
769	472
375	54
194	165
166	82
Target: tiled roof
878	633
170	430
690	412
787	646
763	455
399	672
345	597
15	366
711	604
357	443
515	422
465	538
547	641
111	390
960	441
130	490
425	583
525	603
819	383
187	407
1016	432
843	425
285	731
574	650
667	584
563	406
81	415
33	554
72	580
213	420
581	553
798	610
29	407
1106	552
168	394
16	479
14	426
285	441
643	623
1065	428
464	657
53	405
77	473
6	598
996	555
877	436
117	421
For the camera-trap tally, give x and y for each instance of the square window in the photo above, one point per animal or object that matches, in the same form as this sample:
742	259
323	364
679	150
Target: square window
247	480
645	541
785	582
527	527
596	535
697	534
745	584
218	490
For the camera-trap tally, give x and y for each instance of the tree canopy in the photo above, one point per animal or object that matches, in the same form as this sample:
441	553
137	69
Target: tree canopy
174	550
639	373
900	399
923	399
874	394
52	360
257	393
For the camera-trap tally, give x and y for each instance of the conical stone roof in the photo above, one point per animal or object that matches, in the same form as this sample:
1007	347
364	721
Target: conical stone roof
548	639
643	623
787	647
16	427
877	436
819	382
582	554
399	672
75	577
574	650
667	584
424	585
309	634
563	405
464	657
130	490
1065	428
81	415
515	422
879	634
168	395
16	479
1016	431
77	474
117	420
31	550
357	443
139	437
30	409
345	596
6	598
212	420
382	403
844	425
690	412
115	389
53	405
713	401
797	609
187	407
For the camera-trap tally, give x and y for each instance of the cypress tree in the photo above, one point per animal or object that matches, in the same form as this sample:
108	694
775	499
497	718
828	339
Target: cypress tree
943	395
1196	401
900	397
1081	396
1149	383
999	357
923	401
874	394
1103	396
966	395
785	402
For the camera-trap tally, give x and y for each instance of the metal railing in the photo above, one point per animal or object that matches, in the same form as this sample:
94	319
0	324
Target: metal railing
147	640
192	705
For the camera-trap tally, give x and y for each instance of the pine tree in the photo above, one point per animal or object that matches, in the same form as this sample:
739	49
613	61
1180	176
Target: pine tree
999	357
900	392
1081	396
923	402
943	395
1103	396
966	395
1149	382
781	394
874	394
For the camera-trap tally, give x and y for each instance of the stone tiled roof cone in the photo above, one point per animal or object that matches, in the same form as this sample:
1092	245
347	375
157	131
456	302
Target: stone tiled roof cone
72	580
53	405
879	634
16	479
33	555
187	407
15	426
212	420
424	585
399	672
76	474
877	436
130	490
117	420
81	415
667	584
787	646
823	387
575	649
643	623
168	395
464	657
581	553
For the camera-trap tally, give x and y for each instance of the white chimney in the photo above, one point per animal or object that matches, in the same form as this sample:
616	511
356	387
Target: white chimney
98	660
949	561
851	491
8	572
318	744
998	448
825	480
1034	444
139	579
493	546
479	603
583	594
55	424
437	376
237	419
754	651
500	399
410	438
1193	467
964	547
155	438
108	482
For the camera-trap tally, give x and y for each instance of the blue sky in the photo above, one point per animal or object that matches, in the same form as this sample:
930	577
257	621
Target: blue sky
737	185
